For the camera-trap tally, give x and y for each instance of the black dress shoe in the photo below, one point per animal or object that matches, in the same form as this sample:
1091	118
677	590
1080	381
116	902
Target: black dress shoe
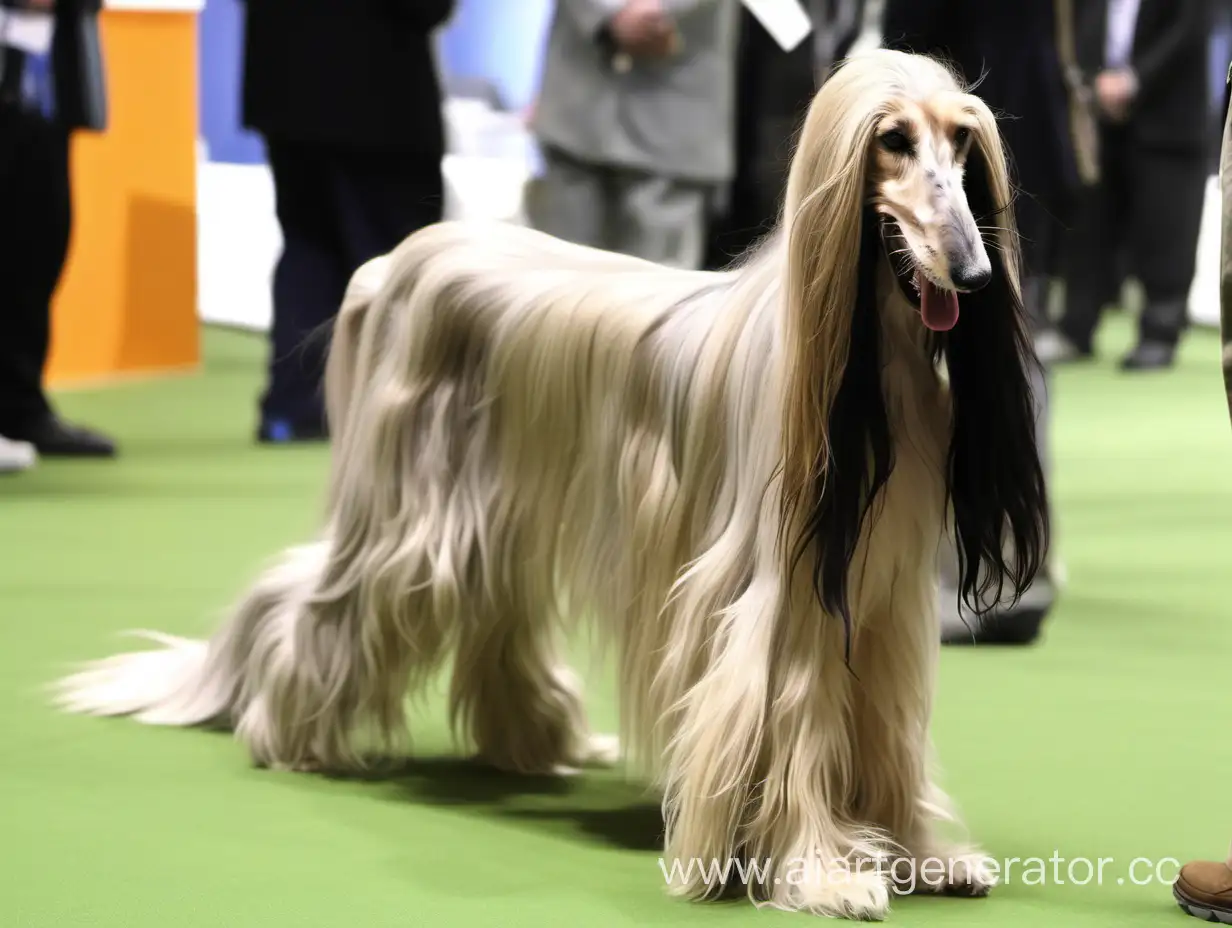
52	437
1019	626
1149	356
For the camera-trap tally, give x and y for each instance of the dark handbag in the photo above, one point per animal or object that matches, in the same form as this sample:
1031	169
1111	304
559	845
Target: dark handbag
91	74
80	77
94	77
1083	108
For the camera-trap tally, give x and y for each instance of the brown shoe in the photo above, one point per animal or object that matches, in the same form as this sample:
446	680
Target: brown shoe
1204	890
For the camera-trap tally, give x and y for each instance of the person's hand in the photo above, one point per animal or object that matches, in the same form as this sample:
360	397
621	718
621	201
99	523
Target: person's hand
1115	90
642	28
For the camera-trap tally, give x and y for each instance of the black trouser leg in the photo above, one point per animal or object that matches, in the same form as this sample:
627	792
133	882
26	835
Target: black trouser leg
1169	189
337	210
729	234
381	199
1037	231
1093	243
35	220
310	279
1040	232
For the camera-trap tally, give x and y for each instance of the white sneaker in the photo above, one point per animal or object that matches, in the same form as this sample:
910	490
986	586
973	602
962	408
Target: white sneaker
16	456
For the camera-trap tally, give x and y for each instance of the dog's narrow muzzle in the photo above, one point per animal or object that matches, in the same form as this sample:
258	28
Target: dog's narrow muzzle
965	252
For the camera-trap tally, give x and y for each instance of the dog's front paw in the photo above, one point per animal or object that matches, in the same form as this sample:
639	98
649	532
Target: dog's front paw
596	751
601	751
858	894
973	875
304	765
963	873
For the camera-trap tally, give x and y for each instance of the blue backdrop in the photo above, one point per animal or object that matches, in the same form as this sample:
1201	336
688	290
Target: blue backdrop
220	32
495	39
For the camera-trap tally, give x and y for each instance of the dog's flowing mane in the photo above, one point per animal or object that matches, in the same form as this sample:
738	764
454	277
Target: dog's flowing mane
739	479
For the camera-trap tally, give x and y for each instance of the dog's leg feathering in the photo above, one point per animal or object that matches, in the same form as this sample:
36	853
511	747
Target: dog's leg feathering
511	695
896	655
760	771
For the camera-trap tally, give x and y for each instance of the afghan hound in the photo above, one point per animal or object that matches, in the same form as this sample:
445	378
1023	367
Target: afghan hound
739	479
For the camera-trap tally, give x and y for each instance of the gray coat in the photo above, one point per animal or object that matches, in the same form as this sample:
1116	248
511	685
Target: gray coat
672	118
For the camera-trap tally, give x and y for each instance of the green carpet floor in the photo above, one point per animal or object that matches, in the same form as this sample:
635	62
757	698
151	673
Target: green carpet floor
1103	742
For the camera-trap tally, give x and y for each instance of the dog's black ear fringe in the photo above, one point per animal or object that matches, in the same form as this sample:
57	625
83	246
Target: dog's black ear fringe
861	455
996	484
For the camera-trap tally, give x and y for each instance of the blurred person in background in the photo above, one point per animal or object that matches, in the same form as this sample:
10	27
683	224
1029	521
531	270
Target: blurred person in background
635	121
1018	52
1147	64
48	88
346	96
773	92
1203	888
1220	16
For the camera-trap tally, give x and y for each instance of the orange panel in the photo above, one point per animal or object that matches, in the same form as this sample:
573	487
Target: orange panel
128	300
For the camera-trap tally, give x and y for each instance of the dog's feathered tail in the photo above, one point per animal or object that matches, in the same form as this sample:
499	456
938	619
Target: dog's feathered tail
170	686
189	682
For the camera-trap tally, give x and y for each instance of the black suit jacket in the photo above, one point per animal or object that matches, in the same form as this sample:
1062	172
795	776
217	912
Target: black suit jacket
773	92
354	74
1012	45
1171	54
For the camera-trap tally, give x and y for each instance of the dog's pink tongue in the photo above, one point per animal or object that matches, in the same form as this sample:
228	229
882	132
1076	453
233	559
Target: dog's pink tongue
938	307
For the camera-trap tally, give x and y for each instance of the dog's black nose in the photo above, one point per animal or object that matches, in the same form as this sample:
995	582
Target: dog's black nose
970	276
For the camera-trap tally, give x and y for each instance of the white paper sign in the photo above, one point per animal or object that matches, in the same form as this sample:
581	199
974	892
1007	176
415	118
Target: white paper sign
785	20
26	31
156	6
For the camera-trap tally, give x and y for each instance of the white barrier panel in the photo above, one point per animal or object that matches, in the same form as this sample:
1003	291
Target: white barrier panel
238	241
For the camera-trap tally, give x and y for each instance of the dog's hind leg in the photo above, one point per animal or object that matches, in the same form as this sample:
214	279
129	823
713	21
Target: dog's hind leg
325	683
513	697
325	672
896	657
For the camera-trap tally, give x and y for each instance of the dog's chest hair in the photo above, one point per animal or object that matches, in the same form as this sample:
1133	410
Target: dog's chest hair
909	517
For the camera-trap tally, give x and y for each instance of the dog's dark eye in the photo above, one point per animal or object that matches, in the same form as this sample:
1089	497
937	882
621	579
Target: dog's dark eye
894	140
961	134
